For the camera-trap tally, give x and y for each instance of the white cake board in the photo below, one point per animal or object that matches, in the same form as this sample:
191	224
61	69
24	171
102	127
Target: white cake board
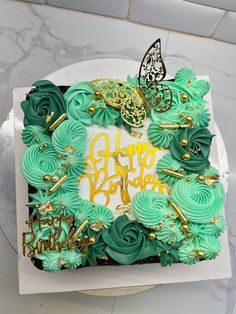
32	280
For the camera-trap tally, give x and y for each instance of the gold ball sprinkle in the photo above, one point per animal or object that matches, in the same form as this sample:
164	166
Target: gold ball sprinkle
184	142
92	240
184	228
184	97
186	156
200	254
47	178
201	178
151	236
181	115
92	109
189	119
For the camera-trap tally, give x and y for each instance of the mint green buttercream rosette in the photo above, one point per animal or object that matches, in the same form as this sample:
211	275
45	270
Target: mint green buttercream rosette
148	207
69	138
33	134
37	163
78	100
198	201
160	137
170	231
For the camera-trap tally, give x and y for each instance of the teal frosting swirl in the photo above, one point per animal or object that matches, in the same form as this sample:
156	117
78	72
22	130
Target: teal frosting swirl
40	198
198	201
198	148
105	116
36	163
76	164
69	202
101	214
71	259
187	254
95	251
69	138
127	241
33	134
78	99
167	162
210	245
170	231
85	211
148	206
69	185
43	101
51	261
215	227
200	114
160	137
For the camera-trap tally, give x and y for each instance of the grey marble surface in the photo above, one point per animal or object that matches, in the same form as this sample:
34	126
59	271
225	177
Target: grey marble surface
36	40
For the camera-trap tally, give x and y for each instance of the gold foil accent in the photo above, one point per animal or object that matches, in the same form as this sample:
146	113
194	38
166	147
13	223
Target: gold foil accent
136	134
179	213
173	126
79	229
57	122
58	184
97	225
209	180
173	173
49	118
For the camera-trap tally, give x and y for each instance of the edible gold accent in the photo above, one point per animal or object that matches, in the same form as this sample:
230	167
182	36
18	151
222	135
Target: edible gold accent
47	178
152	236
92	240
46	208
200	254
136	134
179	213
173	173
92	109
57	122
97	225
173	126
79	230
49	118
189	119
184	97
184	142
69	149
186	156
209	180
57	184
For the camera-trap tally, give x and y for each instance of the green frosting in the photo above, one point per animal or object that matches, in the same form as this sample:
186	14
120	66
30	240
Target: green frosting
95	251
41	198
105	116
33	134
187	254
198	147
210	245
168	254
198	201
71	259
84	212
188	80
127	241
101	214
160	137
170	231
216	227
200	115
78	99
43	101
51	261
69	185
69	202
167	162
37	163
75	163
148	206
69	138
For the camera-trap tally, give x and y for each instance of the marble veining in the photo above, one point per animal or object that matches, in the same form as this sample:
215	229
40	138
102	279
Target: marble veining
36	40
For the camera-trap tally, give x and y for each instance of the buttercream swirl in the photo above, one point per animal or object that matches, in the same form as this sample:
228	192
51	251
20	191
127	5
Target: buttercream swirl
198	201
36	163
101	214
78	99
33	134
198	148
76	163
148	206
105	116
167	162
71	259
168	254
170	231
127	241
160	137
187	254
210	245
69	202
50	261
69	138
43	101
215	227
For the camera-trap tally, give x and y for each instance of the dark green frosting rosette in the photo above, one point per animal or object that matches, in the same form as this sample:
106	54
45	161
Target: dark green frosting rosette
127	241
42	102
193	155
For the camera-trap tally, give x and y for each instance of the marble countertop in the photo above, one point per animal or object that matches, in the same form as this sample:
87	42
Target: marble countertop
37	40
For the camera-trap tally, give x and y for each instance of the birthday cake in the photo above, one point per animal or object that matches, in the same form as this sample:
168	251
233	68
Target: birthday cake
119	172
